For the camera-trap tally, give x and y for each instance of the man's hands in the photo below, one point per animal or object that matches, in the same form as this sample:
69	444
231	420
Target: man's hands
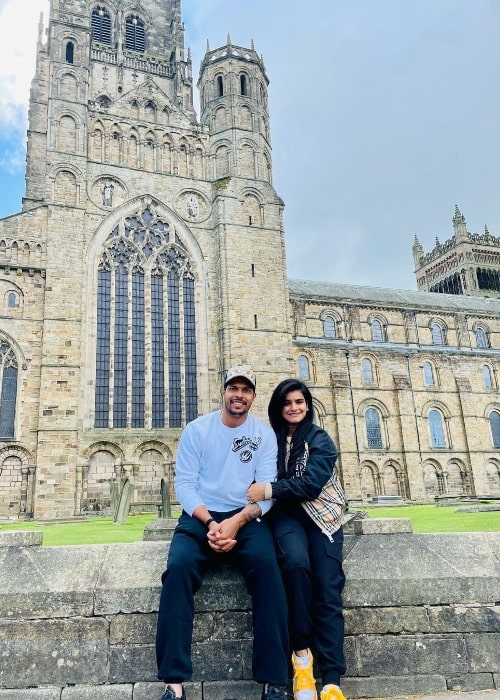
222	536
256	492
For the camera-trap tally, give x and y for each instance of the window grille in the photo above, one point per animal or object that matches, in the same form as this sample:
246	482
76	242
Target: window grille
329	327
373	431
101	25
437	334
135	38
8	396
481	338
377	331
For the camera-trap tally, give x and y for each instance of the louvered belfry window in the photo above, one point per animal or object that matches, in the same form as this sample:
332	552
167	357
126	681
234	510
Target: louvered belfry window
134	34
101	25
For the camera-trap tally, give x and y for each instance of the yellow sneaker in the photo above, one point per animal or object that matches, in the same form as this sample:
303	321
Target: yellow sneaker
304	685
331	692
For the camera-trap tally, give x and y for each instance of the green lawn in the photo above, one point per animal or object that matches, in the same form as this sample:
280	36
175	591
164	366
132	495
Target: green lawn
426	518
431	518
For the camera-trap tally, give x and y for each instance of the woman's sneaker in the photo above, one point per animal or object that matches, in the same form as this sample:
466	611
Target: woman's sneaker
332	692
304	685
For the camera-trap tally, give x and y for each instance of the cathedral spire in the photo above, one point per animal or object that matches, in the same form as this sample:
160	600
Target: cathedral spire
460	225
418	251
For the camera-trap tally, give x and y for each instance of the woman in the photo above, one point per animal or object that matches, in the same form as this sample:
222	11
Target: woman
307	525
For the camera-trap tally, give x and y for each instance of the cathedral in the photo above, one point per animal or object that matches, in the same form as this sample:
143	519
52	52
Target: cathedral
149	257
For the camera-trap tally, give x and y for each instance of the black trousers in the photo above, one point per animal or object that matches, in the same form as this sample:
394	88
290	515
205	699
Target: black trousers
188	558
314	579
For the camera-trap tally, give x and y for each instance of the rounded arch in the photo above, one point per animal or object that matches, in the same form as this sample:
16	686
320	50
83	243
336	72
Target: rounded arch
378	327
438	330
105	446
23	455
492	469
433	477
161	447
434	404
369	476
372	403
491	406
305	364
392	475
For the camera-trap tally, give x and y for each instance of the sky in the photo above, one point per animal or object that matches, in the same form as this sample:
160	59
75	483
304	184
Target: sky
385	114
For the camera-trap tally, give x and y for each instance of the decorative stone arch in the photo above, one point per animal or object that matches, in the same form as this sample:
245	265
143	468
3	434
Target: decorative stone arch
378	326
150	146
153	460
66	182
434	478
252	207
221	152
369	479
458	478
435	370
319	412
7	289
374	367
219	119
373	403
368	431
177	240
393	478
446	415
63	40
69	132
247	154
17	482
97	141
492	470
199	159
245	83
68	84
482	333
441	407
103	463
267	175
438	322
182	152
489	375
332	313
245	116
133	147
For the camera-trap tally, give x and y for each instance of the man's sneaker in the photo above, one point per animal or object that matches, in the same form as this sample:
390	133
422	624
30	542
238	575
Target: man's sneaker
331	692
304	685
170	695
273	693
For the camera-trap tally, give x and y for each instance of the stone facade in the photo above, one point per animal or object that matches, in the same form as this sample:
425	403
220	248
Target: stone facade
149	256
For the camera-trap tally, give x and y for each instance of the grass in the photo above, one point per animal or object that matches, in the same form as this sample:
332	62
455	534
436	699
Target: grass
425	518
431	518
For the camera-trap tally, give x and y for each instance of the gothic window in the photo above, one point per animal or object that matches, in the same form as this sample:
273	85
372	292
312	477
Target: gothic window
436	430
303	366
101	25
377	330
220	86
329	327
146	352
70	52
8	383
135	39
495	428
487	377
428	372
243	84
367	369
373	429
437	334
481	338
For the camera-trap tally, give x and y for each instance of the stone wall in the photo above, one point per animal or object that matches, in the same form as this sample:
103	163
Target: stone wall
422	616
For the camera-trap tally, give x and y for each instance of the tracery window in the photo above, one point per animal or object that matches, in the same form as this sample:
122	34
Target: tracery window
495	428
135	37
8	396
101	25
146	369
373	428
436	430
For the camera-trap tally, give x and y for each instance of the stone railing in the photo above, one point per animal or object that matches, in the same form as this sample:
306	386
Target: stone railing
422	616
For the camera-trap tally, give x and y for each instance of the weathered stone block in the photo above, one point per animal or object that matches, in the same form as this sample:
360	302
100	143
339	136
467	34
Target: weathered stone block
383	687
464	618
133	628
386	620
470	682
20	538
382	526
228	690
483	652
31	694
53	652
406	656
226	664
98	692
132	663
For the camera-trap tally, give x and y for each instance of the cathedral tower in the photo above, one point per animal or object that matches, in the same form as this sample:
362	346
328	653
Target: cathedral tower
155	238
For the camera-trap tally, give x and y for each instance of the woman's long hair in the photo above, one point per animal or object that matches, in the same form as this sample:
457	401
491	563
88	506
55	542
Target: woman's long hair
279	425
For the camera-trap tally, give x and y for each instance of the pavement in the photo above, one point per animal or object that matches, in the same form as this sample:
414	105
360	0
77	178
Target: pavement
476	695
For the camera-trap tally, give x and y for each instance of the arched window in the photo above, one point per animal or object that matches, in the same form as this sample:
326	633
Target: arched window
437	334
436	430
70	52
377	330
428	374
373	430
101	25
12	300
243	84
481	338
135	38
220	86
487	377
329	327
367	368
144	344
8	383
303	365
495	428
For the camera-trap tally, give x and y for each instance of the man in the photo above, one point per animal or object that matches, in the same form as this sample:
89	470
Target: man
219	455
